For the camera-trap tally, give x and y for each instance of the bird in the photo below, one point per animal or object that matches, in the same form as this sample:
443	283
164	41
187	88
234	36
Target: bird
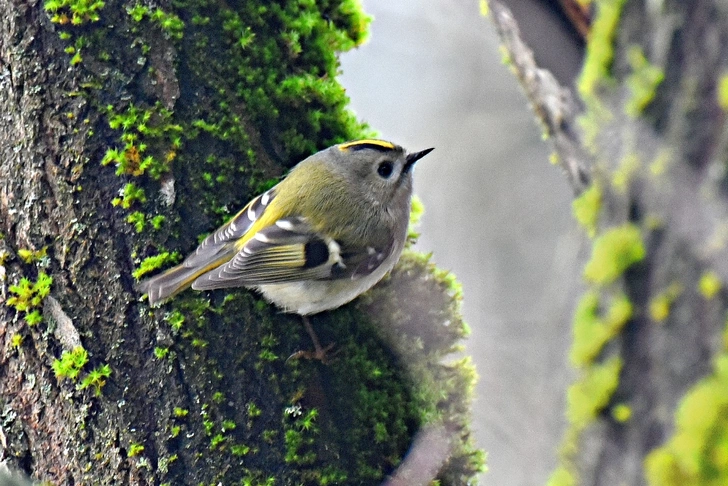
325	234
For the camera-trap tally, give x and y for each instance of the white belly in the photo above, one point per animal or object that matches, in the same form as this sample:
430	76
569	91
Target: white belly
314	296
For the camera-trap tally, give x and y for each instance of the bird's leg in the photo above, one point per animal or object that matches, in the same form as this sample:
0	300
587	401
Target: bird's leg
319	351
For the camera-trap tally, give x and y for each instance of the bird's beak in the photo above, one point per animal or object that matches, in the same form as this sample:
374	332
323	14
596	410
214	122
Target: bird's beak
414	157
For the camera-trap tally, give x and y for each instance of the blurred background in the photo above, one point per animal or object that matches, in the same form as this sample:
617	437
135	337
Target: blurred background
496	212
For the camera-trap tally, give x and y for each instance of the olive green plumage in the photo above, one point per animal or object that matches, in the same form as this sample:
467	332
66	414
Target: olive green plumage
322	236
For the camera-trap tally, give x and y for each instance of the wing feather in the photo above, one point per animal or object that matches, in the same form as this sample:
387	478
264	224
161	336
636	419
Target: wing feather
287	251
224	238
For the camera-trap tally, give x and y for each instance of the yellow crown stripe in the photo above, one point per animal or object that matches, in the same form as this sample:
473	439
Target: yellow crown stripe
367	141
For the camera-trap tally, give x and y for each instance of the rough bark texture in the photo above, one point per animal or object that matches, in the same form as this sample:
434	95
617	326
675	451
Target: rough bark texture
651	142
126	131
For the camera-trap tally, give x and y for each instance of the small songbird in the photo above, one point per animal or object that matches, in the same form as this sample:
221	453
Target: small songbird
318	239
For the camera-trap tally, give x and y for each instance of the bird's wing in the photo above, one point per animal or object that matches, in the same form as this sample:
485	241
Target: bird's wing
289	250
222	242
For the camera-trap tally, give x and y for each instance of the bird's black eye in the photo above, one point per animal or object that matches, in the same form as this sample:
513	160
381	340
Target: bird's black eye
385	169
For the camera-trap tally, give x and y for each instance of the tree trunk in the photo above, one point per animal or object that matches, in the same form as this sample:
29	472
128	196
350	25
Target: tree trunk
645	150
129	130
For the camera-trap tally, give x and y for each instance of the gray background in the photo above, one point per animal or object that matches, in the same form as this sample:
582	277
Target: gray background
497	213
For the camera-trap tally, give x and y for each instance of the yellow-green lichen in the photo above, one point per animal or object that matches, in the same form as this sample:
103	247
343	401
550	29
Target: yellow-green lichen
709	284
697	453
613	253
643	81
722	91
592	331
661	161
586	208
592	393
599	49
660	304
30	256
16	340
625	171
135	449
562	476
484	8
621	412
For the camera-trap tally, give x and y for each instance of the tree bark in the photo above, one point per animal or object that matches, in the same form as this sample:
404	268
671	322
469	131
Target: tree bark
129	130
644	148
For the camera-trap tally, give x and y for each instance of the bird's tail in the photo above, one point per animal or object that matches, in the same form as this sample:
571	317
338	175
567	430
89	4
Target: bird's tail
168	284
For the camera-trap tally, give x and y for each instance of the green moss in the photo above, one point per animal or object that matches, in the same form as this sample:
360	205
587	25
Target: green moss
722	91
31	256
600	49
709	284
129	195
33	318
562	476
484	8
642	82
592	393
138	220
180	412
660	304
622	412
161	352
624	174
16	340
70	364
591	331
135	449
96	379
586	208
661	162
697	453
75	12
27	296
614	252
170	23
153	263
149	140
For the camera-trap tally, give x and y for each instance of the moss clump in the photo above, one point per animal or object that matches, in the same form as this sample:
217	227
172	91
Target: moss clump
71	363
697	453
660	304
614	252
709	284
586	209
624	174
30	256
75	12
152	263
28	296
562	476
149	140
592	393
600	49
130	195
642	82
722	92
96	379
622	412
592	331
